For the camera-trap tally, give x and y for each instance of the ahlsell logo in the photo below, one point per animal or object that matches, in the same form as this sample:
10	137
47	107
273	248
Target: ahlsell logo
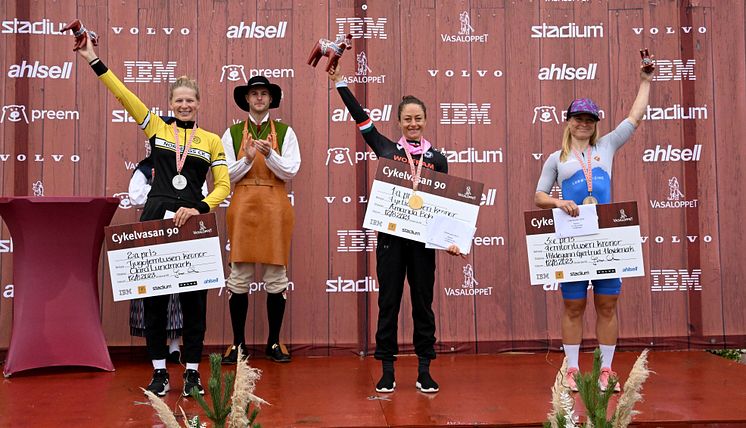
356	241
17	113
151	31
569	31
472	155
675	279
465	32
676	112
675	69
548	114
39	71
465	114
669	30
376	114
363	72
43	27
675	198
488	199
254	31
565	72
670	154
124	200
149	71
470	286
465	73
362	28
339	285
38	188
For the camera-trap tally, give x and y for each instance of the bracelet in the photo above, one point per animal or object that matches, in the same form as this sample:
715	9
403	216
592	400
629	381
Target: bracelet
93	60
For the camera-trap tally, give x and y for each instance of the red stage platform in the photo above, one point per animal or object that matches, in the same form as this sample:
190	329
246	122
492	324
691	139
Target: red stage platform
687	389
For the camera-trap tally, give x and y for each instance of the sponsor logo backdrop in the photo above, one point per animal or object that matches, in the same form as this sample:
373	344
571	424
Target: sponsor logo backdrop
496	77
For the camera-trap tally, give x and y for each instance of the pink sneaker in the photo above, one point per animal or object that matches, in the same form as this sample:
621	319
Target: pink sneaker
570	379
603	379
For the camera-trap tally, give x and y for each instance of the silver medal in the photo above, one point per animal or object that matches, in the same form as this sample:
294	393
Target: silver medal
179	182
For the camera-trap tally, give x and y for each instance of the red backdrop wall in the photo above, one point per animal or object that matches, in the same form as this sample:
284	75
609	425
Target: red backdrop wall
478	66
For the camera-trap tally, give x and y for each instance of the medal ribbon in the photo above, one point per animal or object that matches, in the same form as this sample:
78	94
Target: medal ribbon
589	171
424	147
180	159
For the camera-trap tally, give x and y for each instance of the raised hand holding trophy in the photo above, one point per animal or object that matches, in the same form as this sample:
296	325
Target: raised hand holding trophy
81	34
648	63
332	50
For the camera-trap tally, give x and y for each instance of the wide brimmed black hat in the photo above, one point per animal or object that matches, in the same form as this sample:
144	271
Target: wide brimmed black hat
239	93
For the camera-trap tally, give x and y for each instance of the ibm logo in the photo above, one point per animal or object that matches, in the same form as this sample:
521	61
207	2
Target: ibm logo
149	72
675	280
465	114
675	70
362	28
356	241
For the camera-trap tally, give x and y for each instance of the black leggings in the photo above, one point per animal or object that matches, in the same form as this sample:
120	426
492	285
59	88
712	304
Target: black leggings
396	258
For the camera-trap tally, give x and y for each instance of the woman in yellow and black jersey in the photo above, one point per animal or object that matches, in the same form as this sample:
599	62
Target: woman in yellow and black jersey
182	154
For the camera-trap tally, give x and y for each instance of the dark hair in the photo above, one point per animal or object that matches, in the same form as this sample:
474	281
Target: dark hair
410	99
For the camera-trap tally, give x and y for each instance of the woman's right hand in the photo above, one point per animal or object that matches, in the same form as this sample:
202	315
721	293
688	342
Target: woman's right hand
568	206
334	74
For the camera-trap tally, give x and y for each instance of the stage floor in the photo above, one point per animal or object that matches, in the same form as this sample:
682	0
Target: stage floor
687	389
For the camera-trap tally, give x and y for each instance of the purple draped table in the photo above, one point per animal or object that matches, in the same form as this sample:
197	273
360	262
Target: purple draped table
56	249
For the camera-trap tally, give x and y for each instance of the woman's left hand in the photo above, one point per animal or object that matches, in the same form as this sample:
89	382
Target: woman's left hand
454	250
183	214
647	72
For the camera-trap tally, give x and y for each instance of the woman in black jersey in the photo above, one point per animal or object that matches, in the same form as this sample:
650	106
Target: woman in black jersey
398	257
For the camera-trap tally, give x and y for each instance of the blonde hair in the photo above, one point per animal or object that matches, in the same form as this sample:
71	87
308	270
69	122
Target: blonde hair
567	141
183	82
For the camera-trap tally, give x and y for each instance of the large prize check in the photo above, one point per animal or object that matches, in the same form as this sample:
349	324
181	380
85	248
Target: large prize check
614	252
152	258
442	194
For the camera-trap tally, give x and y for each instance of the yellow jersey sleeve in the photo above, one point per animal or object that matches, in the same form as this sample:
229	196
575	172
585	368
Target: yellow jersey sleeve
150	123
219	168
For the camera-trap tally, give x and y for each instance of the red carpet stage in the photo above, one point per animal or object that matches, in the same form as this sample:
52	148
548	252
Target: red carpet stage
687	389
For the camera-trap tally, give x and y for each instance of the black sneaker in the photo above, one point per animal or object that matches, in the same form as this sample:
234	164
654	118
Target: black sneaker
425	383
386	383
278	354
231	354
174	357
159	384
191	381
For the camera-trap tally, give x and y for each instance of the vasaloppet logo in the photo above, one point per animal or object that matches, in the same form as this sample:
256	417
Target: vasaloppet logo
363	73
465	32
254	31
675	197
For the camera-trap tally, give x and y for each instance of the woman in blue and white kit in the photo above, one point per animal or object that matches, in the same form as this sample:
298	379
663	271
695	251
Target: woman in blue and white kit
583	154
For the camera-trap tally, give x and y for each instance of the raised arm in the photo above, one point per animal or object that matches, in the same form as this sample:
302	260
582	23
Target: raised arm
643	96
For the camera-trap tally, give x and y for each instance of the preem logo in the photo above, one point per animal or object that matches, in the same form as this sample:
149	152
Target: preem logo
122	116
17	113
362	28
255	287
363	73
470	286
488	241
472	155
39	71
675	279
151	31
465	114
565	72
675	198
669	30
254	31
149	71
676	69
676	112
235	73
376	114
468	74
569	31
124	200
43	27
670	154
548	114
356	241
339	285
465	32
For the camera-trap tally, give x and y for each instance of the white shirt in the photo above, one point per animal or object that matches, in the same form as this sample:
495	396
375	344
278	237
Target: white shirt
139	188
284	165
